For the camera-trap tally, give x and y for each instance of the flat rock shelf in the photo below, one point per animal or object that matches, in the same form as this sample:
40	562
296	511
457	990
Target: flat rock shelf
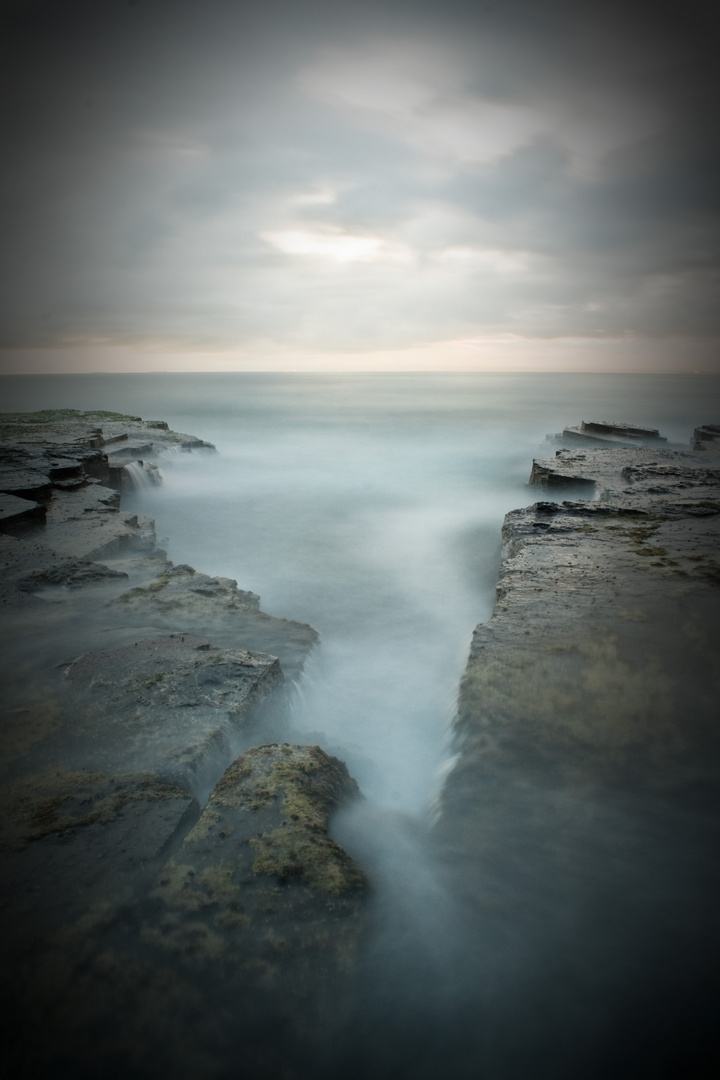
163	844
583	816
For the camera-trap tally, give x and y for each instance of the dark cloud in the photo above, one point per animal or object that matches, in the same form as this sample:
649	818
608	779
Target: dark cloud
356	176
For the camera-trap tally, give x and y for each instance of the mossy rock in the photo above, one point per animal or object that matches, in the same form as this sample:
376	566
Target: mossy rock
258	882
301	786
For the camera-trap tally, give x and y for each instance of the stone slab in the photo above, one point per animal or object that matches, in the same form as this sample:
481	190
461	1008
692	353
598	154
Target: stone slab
17	513
581	820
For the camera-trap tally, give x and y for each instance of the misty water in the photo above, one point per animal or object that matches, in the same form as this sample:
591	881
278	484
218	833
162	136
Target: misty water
370	506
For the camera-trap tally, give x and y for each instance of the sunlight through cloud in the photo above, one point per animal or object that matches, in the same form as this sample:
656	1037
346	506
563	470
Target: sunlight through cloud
335	246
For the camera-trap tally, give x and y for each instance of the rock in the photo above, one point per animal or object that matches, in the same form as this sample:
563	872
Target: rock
62	468
195	444
584	623
634	431
609	433
73	574
549	475
183	587
212	960
64	803
133	940
73	484
76	848
169	703
291	792
17	515
639	478
582	815
706	433
26	484
131	451
182	597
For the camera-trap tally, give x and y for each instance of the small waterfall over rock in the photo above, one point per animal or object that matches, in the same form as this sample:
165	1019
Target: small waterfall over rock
138	475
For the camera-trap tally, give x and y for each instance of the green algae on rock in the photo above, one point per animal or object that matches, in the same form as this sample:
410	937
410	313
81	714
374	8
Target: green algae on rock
57	801
304	785
258	882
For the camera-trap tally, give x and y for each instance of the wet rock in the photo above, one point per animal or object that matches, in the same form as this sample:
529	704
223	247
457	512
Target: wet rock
613	433
706	433
17	515
63	468
65	430
623	430
639	478
126	940
291	792
65	803
214	960
582	663
182	597
131	450
26	483
73	574
260	867
74	840
75	848
548	475
182	587
73	484
170	703
582	814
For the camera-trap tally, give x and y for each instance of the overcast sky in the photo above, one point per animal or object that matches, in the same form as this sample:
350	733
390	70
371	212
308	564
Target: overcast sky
517	183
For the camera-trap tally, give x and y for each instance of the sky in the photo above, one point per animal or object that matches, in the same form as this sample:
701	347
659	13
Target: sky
518	185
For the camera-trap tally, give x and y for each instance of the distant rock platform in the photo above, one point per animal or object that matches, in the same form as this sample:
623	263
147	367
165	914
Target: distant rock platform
610	433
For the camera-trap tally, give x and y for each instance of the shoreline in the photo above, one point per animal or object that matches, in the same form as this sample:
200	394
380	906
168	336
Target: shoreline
558	713
152	806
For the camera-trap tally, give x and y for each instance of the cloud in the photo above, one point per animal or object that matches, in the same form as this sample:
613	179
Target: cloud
430	96
336	246
358	179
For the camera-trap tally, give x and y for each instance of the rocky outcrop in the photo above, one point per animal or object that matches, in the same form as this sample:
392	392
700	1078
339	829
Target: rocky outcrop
583	811
17	514
706	433
131	914
184	954
73	574
292	791
173	703
596	666
609	433
642	479
216	607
